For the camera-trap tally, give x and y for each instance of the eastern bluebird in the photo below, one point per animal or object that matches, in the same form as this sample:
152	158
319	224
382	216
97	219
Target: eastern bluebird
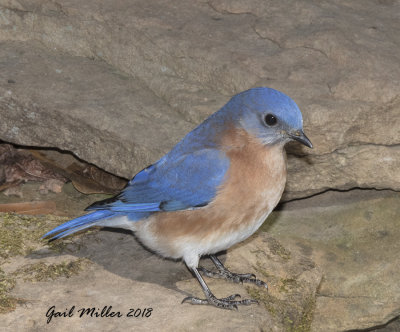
212	190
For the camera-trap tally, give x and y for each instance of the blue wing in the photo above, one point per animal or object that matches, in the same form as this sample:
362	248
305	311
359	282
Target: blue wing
189	181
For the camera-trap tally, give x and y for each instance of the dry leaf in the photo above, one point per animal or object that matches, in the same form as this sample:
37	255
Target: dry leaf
17	166
53	185
87	179
13	191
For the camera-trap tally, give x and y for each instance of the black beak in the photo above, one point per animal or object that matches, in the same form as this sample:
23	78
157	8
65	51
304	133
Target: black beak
301	137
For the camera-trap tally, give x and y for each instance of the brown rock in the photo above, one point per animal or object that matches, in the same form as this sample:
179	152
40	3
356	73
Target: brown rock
353	237
182	61
118	272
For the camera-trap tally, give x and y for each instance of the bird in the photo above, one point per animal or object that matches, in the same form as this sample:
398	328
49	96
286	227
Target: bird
212	190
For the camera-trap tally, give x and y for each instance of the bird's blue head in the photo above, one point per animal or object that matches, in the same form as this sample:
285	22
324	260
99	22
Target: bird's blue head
269	115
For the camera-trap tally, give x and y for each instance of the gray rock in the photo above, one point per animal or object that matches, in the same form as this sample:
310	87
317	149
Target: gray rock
379	168
83	106
116	271
338	60
354	239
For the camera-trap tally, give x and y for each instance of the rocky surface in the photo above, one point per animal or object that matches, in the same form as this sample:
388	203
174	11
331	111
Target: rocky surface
85	106
353	238
111	269
331	263
118	83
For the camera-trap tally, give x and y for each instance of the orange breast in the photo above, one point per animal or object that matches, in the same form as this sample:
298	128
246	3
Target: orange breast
253	186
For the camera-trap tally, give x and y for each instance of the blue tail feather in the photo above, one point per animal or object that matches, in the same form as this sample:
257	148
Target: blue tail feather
78	224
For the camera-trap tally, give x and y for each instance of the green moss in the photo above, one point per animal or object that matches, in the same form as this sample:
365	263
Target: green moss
21	234
304	324
43	272
287	284
34	273
263	297
294	313
7	302
277	249
260	270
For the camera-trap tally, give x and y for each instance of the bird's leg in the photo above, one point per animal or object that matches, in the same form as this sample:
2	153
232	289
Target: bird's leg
225	303
224	273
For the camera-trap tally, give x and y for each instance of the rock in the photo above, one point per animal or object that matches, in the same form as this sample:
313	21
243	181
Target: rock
331	263
84	106
111	269
181	61
382	161
293	280
353	238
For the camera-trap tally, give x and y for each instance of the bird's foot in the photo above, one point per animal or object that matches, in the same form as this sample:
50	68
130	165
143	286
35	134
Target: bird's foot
224	303
234	277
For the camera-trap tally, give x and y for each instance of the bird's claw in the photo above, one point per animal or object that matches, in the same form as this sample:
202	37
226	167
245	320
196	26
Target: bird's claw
234	277
224	303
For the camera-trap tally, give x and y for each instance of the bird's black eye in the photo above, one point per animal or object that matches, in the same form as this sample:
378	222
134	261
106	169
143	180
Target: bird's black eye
270	120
